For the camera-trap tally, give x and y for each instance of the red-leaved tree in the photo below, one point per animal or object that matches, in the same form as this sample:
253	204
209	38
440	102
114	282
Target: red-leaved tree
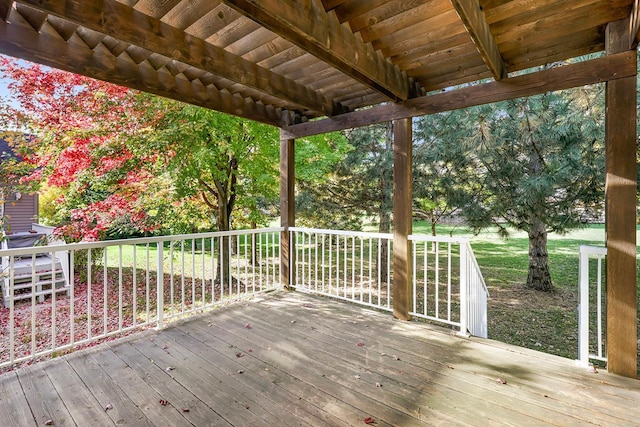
82	131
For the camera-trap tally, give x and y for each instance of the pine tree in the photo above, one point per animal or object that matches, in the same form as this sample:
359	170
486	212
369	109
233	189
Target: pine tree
542	169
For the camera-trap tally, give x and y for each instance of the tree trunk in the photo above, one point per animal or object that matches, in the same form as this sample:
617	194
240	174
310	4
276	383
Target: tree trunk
226	197
539	277
224	255
254	245
434	221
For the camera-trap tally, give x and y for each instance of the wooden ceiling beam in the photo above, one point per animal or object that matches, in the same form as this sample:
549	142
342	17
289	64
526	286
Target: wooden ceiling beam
634	25
474	21
5	9
306	24
23	42
577	74
127	24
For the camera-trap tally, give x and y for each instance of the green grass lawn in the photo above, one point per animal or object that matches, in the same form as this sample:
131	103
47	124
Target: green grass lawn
505	261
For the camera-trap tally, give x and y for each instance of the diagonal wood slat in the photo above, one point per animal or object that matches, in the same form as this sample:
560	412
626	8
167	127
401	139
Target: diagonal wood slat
477	27
27	44
127	24
306	24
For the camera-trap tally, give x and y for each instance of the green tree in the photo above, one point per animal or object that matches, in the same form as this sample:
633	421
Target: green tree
222	160
444	174
542	168
360	185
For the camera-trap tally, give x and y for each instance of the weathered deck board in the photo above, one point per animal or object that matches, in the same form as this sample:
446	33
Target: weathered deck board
14	409
139	392
294	360
78	398
45	403
436	355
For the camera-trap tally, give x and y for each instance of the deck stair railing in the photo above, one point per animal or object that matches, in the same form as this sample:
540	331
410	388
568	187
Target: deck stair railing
122	285
448	287
592	305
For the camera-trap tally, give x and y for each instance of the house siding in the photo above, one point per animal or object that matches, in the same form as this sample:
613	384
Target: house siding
20	214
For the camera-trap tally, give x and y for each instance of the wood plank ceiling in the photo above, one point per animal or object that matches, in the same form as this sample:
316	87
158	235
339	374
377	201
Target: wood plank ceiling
284	62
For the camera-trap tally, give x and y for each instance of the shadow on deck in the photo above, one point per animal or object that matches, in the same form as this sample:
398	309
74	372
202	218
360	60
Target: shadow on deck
293	359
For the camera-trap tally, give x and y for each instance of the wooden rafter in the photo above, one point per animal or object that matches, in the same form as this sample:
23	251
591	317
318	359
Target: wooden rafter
5	9
25	43
598	70
634	25
478	28
126	24
306	24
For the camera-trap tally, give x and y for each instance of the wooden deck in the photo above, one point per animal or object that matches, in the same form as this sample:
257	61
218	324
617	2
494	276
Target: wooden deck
289	359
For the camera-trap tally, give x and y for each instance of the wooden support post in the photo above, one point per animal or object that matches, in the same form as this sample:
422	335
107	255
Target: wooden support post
402	216
287	209
620	211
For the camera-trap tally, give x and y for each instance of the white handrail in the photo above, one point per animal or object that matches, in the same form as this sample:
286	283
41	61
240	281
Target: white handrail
191	273
584	355
350	266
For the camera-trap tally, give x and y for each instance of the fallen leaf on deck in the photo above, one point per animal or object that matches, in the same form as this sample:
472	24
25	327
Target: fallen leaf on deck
378	385
313	328
293	321
357	377
248	326
48	423
250	351
360	344
164	347
383	354
164	402
109	406
169	368
185	409
239	354
369	420
501	381
240	371
395	357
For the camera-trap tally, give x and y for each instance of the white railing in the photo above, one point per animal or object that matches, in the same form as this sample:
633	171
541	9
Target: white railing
122	285
351	266
592	305
448	287
477	295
